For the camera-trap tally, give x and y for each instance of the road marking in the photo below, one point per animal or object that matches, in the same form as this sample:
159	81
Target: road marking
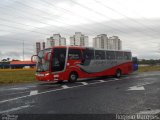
84	83
14	88
19	88
147	83
136	88
65	87
116	79
157	111
34	92
101	80
12	99
136	76
15	93
14	109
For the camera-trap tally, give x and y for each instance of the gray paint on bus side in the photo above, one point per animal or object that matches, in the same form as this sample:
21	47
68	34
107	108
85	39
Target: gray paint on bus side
100	65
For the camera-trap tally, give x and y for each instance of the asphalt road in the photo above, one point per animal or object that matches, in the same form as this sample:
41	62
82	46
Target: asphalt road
131	94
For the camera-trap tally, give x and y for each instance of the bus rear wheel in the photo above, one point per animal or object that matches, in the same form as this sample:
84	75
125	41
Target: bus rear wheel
118	73
73	77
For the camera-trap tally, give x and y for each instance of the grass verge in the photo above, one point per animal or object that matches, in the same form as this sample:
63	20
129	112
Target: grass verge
148	68
17	75
27	75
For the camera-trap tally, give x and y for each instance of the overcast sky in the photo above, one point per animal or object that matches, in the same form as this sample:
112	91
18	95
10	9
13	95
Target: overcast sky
136	22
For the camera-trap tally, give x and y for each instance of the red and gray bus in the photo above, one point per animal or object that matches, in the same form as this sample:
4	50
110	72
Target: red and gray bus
70	63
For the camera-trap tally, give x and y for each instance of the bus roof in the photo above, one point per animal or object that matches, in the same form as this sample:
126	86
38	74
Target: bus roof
81	47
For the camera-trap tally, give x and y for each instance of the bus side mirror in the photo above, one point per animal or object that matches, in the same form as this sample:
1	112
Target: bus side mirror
47	56
33	58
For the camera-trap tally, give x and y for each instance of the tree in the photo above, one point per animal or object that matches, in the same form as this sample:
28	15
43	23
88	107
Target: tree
8	59
4	60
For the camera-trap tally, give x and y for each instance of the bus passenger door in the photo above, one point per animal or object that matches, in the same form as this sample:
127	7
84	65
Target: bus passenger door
58	59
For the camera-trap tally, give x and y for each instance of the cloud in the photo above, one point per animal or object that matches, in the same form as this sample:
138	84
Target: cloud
32	21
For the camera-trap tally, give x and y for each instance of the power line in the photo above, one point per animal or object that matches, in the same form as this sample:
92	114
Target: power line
30	19
122	5
124	38
91	19
28	6
64	28
36	8
11	21
45	12
66	9
23	29
93	10
121	31
110	8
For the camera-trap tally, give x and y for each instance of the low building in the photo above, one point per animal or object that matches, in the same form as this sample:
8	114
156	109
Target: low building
22	64
4	65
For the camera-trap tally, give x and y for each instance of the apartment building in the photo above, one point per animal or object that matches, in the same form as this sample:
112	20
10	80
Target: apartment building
56	40
103	42
79	39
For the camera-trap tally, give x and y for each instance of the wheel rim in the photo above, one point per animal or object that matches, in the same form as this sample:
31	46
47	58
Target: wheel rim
118	73
73	77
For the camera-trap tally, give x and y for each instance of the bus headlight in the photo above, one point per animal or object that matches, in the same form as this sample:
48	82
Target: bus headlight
46	74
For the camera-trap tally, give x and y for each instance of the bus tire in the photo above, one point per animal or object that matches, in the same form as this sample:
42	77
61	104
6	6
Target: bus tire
118	73
73	77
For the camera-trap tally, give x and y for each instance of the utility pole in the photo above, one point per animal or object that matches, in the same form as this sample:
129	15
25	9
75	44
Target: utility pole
23	50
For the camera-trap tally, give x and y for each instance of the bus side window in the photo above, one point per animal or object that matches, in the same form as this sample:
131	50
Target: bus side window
107	55
110	55
99	54
119	55
74	54
127	55
88	54
130	56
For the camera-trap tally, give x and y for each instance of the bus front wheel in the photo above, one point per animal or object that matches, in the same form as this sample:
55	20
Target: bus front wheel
73	77
118	73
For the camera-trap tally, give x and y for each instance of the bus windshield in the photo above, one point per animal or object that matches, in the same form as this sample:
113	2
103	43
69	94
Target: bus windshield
42	64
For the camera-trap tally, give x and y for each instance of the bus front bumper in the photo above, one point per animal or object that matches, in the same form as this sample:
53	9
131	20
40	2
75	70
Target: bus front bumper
44	77
47	77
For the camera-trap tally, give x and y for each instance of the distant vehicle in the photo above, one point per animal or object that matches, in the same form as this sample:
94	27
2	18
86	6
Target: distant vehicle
61	63
135	63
